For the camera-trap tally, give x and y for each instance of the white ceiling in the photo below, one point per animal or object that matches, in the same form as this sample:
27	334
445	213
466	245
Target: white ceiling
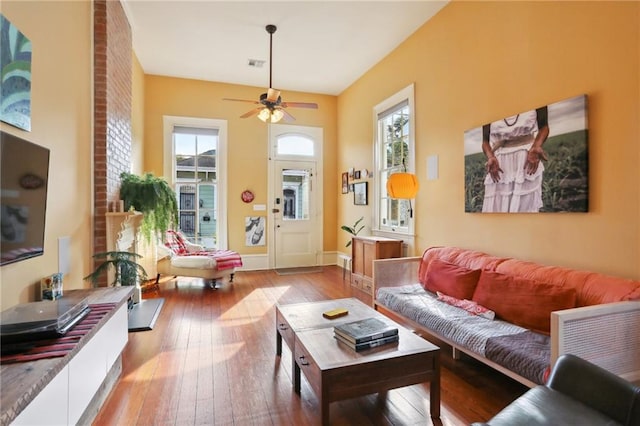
319	47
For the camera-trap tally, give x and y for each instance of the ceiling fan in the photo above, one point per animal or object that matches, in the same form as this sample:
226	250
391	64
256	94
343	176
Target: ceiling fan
272	108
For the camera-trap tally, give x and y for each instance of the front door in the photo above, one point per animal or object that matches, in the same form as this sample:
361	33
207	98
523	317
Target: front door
296	197
296	219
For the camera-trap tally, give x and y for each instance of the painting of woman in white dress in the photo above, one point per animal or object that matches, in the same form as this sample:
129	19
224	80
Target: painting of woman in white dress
530	162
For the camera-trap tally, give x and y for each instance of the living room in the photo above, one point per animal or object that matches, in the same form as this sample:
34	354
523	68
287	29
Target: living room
471	63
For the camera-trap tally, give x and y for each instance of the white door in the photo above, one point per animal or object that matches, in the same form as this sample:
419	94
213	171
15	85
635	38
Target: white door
296	196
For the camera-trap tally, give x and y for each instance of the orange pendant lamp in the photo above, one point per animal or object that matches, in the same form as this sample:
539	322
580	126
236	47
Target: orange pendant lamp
402	185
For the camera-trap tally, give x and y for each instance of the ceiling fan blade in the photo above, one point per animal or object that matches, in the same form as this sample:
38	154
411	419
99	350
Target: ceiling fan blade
287	117
309	105
272	95
240	100
251	113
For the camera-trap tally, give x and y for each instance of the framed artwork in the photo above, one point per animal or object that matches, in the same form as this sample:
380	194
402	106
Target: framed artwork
15	66
345	182
534	161
254	227
356	174
360	194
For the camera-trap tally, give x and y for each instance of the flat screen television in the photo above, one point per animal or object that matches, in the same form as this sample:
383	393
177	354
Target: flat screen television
24	172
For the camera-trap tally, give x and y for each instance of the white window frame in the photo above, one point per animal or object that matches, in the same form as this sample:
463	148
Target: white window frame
169	122
404	95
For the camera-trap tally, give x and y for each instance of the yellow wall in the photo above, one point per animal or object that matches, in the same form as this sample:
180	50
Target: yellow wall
60	34
247	142
475	62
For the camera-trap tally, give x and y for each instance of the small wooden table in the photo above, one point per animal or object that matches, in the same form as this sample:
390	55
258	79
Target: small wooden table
337	372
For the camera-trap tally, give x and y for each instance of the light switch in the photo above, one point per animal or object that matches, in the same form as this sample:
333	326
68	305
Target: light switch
432	167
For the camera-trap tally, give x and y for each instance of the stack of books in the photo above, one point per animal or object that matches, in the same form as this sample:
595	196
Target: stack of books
365	334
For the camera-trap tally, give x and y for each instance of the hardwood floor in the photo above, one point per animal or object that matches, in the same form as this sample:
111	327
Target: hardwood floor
210	359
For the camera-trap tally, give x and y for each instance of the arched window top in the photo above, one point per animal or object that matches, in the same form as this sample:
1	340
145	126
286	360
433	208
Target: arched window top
295	144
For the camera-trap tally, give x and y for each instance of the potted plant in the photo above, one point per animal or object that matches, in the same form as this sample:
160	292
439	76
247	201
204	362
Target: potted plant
353	230
154	198
127	270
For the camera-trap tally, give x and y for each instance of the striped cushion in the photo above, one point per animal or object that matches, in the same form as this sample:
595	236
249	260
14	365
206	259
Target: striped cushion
175	243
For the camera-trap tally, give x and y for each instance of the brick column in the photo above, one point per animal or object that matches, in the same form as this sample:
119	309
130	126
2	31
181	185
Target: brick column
112	109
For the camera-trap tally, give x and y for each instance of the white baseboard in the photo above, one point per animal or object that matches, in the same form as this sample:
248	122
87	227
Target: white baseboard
259	262
254	262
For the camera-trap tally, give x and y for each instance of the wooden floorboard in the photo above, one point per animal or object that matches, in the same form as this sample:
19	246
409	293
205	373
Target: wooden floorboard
210	360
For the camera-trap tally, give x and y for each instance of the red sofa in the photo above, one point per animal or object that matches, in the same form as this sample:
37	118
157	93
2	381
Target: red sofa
540	312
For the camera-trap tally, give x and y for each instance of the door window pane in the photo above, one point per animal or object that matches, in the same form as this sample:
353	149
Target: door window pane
296	185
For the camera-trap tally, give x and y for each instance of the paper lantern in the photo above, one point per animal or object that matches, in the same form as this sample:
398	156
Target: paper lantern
402	185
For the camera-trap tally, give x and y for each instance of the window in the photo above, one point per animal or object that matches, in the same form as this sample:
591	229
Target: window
195	160
293	144
394	151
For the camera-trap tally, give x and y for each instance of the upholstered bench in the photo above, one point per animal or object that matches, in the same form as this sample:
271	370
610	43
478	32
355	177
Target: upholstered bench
179	257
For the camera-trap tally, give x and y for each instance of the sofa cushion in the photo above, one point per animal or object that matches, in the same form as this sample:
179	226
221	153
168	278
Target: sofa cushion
450	279
524	302
468	305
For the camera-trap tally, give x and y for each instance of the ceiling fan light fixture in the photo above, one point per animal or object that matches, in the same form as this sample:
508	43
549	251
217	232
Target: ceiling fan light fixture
264	115
267	115
276	116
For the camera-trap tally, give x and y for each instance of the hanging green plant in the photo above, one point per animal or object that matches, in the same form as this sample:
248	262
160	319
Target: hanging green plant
152	196
127	270
353	230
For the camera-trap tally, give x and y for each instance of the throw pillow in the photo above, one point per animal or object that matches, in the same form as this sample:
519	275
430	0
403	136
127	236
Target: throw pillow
468	305
524	302
450	279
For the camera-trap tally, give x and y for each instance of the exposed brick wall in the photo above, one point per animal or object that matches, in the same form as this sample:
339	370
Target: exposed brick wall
112	108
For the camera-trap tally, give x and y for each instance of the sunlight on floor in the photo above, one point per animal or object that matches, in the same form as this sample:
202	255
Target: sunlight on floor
155	367
260	301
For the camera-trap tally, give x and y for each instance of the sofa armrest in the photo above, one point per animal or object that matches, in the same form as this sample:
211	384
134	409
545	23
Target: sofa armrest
597	388
607	335
163	251
395	272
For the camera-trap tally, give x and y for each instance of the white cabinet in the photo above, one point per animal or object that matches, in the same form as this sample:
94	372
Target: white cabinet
90	366
67	396
50	407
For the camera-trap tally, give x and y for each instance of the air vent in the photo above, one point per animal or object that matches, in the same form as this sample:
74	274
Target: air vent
256	63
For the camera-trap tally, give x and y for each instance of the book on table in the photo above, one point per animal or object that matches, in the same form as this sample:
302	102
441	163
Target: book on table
365	330
370	344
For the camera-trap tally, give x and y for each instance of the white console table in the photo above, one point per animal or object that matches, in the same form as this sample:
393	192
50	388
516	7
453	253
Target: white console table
69	390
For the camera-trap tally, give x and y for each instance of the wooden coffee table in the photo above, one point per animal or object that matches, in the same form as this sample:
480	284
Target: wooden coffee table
335	371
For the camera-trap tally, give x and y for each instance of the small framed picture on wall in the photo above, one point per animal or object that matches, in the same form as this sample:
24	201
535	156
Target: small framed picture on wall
360	194
345	182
